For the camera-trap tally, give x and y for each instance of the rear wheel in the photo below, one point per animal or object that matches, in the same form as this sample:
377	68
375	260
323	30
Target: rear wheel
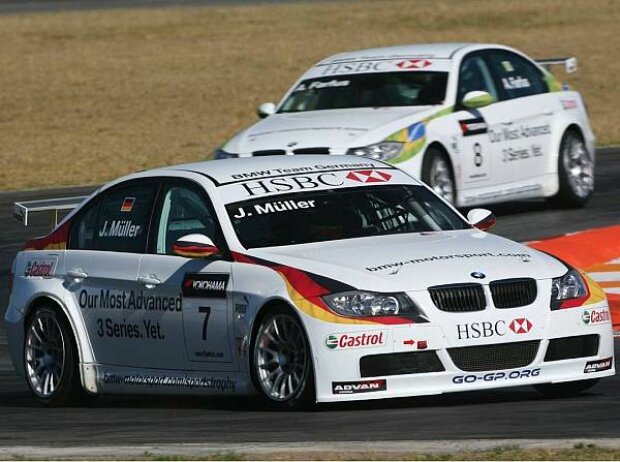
575	170
437	173
556	390
282	363
50	358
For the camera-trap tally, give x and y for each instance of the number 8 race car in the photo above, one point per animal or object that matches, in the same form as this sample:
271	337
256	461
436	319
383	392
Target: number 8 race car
302	279
479	123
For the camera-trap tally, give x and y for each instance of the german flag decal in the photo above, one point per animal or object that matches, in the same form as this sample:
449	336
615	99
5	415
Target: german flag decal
127	204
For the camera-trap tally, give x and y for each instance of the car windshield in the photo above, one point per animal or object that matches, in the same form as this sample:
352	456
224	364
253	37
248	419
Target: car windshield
335	214
368	90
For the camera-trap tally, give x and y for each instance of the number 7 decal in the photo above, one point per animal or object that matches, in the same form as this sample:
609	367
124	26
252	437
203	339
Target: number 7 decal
207	312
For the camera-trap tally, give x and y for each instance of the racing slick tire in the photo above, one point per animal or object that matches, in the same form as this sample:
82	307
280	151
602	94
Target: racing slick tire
51	360
575	171
559	390
282	369
438	174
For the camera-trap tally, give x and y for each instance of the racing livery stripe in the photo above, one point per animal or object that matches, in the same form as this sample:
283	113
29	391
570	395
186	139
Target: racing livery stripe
305	289
414	136
57	240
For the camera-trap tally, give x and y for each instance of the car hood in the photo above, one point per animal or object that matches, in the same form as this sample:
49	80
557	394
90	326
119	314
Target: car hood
410	262
338	129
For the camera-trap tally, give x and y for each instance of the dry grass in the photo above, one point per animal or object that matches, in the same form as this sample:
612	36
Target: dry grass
87	96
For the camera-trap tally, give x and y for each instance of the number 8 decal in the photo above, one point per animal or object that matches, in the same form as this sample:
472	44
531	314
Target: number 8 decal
477	154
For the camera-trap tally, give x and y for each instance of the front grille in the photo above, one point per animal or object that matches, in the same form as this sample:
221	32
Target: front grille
269	152
580	346
458	298
311	151
418	362
494	357
511	293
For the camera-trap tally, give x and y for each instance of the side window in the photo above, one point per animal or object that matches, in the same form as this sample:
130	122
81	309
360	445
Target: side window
475	76
125	218
183	212
84	227
516	76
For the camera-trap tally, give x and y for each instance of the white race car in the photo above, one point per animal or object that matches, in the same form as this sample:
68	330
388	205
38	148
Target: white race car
479	123
302	278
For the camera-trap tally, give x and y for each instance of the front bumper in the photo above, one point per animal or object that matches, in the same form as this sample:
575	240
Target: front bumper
343	375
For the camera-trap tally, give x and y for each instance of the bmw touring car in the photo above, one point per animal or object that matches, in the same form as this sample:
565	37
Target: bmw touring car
300	279
479	123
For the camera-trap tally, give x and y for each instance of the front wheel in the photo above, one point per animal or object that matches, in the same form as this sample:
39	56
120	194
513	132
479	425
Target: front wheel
50	358
559	390
437	173
575	170
282	363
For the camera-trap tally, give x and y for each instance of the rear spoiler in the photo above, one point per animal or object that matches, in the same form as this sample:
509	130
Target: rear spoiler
570	64
22	210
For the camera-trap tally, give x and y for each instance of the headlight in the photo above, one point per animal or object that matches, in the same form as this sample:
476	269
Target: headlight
221	154
385	150
361	303
568	291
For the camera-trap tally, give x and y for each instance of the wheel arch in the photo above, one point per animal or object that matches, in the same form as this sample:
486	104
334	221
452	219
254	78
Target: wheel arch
84	355
267	307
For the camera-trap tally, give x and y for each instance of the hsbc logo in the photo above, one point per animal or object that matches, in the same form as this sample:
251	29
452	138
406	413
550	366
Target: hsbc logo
369	176
413	64
490	329
520	326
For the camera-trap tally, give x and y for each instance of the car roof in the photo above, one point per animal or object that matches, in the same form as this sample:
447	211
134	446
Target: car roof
226	170
426	50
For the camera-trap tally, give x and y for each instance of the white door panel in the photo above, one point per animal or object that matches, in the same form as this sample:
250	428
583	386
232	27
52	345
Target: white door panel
201	335
103	285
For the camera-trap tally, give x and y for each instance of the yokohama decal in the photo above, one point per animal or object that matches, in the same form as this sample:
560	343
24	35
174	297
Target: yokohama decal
204	285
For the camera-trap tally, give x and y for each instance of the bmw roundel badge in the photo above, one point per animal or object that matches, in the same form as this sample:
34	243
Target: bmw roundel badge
478	275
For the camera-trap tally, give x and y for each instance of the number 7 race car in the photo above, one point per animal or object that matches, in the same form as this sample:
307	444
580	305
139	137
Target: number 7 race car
479	123
302	279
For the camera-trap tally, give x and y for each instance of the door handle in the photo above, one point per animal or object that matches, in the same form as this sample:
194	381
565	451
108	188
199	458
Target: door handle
77	275
507	122
548	111
149	281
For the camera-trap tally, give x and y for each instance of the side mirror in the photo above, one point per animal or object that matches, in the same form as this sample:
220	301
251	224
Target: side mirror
482	219
475	99
265	110
195	246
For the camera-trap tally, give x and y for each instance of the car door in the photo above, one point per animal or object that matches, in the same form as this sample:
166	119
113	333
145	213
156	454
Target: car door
204	284
106	240
477	151
528	108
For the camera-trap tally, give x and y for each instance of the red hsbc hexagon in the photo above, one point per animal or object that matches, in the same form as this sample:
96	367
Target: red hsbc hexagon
413	63
369	176
520	326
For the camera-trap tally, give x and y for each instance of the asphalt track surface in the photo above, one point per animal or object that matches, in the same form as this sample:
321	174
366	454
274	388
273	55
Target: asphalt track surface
508	413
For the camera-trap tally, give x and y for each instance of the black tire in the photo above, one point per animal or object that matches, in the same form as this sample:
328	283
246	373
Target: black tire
294	361
563	390
437	172
575	192
50	358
